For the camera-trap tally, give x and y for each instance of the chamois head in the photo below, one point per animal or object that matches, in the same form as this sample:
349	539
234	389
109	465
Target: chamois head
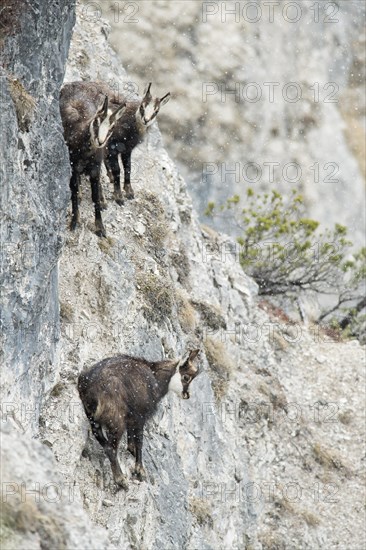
150	106
103	122
185	372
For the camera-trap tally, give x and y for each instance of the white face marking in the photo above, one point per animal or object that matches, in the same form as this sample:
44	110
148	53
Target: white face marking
175	384
103	130
149	110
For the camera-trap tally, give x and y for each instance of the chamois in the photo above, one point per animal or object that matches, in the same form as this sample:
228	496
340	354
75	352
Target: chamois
128	132
122	392
88	125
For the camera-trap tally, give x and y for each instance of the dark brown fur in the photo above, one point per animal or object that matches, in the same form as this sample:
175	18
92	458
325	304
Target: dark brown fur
121	393
126	134
79	106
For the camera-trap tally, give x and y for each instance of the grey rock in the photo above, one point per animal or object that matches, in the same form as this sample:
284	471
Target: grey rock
218	465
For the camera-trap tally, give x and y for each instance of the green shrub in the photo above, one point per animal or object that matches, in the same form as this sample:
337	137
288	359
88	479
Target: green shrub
287	253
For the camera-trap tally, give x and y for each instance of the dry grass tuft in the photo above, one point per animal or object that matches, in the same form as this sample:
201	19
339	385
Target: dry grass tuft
158	295
106	244
25	518
210	314
330	459
285	506
24	103
66	312
151	210
186	313
180	261
201	510
221	365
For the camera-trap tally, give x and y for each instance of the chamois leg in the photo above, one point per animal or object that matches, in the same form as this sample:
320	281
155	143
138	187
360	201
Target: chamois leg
118	476
103	202
97	432
139	471
95	186
126	161
111	448
114	172
131	447
74	186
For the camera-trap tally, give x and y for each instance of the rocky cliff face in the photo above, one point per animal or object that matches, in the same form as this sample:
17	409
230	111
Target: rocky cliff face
265	454
34	195
37	510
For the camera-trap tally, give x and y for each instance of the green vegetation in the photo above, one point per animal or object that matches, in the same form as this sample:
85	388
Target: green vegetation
286	253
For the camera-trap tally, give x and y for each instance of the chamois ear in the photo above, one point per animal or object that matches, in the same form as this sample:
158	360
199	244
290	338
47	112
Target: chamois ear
103	108
147	94
164	99
117	113
193	354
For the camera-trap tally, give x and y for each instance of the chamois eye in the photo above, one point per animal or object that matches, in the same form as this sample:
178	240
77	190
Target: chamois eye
186	377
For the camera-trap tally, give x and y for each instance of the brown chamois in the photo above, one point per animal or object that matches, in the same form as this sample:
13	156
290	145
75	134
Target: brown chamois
128	132
88	125
121	393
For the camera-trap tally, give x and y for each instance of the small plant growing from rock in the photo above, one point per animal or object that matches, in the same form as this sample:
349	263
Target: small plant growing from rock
66	311
221	365
24	103
287	254
158	295
186	313
330	459
156	230
211	315
201	510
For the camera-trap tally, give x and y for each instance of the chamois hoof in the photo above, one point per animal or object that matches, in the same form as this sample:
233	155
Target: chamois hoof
119	198
100	230
103	205
122	483
139	474
129	193
74	224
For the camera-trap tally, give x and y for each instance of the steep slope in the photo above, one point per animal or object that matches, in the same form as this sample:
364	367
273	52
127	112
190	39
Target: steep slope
267	453
37	509
218	477
34	175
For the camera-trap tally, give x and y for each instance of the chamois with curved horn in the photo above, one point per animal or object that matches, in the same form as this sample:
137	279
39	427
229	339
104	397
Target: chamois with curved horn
130	131
88	124
121	393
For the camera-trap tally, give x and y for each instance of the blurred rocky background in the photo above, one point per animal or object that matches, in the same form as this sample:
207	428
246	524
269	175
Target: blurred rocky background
265	95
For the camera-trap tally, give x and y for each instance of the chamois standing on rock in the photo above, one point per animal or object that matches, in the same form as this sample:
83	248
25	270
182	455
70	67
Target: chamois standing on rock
122	392
88	124
128	132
